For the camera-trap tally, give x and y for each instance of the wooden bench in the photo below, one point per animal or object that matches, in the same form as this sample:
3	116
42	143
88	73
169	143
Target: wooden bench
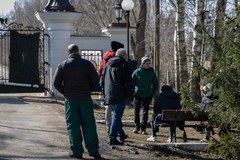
177	118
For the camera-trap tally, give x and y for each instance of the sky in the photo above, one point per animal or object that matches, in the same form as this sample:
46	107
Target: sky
6	6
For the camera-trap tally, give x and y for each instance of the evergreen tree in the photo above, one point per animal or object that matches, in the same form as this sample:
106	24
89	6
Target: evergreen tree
225	80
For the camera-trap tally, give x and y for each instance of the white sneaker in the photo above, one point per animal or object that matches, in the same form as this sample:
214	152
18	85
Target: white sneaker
152	139
169	140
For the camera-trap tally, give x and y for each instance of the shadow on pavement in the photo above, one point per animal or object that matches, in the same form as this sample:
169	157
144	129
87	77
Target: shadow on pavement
37	130
12	100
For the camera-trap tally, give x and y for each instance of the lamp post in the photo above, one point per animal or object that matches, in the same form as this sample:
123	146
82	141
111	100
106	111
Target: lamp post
127	6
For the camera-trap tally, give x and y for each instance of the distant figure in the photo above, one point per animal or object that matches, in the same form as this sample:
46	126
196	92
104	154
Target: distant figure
207	98
206	102
168	99
145	84
75	78
106	56
117	88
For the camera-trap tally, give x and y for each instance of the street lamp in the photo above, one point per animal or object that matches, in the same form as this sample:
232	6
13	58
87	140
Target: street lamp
127	6
118	11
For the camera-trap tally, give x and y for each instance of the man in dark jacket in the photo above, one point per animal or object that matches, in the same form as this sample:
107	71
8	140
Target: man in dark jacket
75	78
168	99
117	88
106	56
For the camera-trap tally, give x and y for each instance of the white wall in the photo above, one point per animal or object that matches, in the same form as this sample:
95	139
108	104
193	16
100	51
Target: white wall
92	43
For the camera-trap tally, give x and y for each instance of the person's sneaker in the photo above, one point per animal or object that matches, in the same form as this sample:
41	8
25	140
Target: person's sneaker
151	139
170	141
203	140
135	130
115	142
72	155
95	155
144	132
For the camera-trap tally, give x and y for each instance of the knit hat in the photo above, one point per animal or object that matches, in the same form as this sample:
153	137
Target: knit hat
116	45
144	60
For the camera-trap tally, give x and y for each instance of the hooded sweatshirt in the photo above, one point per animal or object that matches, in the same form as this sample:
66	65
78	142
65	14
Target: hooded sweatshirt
107	55
168	99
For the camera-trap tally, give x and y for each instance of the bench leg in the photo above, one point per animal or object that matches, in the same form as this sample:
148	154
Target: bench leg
184	136
210	131
173	134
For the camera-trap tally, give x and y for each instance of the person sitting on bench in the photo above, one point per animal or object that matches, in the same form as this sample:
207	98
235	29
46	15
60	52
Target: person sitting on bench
168	99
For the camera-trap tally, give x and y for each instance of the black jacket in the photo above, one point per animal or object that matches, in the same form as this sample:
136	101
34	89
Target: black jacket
116	81
75	78
168	99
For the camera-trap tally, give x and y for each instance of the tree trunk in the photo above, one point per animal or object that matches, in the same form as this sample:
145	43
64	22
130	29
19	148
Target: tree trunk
236	5
181	42
220	12
157	39
196	50
219	22
176	62
140	31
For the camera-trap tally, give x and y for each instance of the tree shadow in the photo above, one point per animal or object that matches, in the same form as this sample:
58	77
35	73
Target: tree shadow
37	130
172	151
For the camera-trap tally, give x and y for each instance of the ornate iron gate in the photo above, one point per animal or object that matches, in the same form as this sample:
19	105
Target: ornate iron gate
21	59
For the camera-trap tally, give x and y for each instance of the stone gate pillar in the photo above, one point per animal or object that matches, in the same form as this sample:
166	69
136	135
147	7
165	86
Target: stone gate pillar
59	28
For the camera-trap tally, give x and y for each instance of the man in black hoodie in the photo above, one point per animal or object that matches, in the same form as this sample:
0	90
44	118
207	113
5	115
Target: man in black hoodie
117	88
168	99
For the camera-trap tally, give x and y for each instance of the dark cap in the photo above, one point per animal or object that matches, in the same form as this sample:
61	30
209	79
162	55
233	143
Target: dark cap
166	87
116	45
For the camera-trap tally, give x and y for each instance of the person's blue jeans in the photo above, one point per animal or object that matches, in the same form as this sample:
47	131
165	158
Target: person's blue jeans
108	116
116	125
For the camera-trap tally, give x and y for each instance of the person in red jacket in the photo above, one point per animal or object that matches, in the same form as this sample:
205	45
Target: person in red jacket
109	54
106	56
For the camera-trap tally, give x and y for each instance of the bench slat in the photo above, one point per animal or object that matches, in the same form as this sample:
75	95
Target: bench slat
176	115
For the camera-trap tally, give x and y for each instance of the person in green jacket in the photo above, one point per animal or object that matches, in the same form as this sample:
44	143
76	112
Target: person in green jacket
145	84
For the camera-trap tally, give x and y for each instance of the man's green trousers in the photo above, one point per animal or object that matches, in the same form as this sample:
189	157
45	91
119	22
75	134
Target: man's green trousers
80	121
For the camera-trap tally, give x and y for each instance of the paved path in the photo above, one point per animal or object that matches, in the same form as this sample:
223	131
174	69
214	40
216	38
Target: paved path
31	130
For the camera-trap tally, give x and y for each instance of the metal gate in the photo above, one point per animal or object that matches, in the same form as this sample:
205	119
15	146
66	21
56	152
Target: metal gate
21	59
94	56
